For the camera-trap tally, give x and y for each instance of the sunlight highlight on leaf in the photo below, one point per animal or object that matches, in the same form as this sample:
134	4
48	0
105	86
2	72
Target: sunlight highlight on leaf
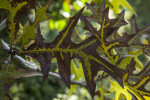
116	4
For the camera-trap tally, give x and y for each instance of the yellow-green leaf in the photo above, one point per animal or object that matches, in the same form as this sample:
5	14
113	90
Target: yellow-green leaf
72	90
116	4
28	33
41	13
78	72
119	90
5	4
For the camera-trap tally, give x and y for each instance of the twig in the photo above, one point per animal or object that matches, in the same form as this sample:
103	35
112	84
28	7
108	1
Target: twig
30	66
2	24
34	67
7	66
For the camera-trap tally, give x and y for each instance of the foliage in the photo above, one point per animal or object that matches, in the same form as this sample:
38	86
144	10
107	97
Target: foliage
99	51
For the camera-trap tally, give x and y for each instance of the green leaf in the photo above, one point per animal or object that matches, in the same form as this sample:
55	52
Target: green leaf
72	90
116	4
5	4
78	72
41	13
102	93
86	51
127	5
119	90
124	62
65	50
137	88
63	58
66	7
29	30
43	58
28	33
14	14
108	27
143	72
135	54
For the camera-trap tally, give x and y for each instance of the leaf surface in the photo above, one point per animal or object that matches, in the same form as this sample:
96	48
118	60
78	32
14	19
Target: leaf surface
64	50
29	30
7	78
108	27
117	3
137	88
15	11
87	51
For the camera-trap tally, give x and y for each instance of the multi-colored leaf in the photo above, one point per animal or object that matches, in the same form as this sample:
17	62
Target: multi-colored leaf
119	90
78	72
15	11
29	30
54	50
117	3
108	27
65	50
136	87
87	51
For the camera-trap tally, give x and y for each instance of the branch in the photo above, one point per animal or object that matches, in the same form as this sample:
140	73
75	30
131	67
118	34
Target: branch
2	24
34	67
30	66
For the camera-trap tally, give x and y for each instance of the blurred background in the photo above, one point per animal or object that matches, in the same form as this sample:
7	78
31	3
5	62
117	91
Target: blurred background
34	88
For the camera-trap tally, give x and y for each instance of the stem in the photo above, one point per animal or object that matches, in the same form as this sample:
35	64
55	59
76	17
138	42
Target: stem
30	66
7	66
2	24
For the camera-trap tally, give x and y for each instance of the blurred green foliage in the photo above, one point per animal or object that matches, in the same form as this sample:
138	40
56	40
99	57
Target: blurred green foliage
34	88
142	9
